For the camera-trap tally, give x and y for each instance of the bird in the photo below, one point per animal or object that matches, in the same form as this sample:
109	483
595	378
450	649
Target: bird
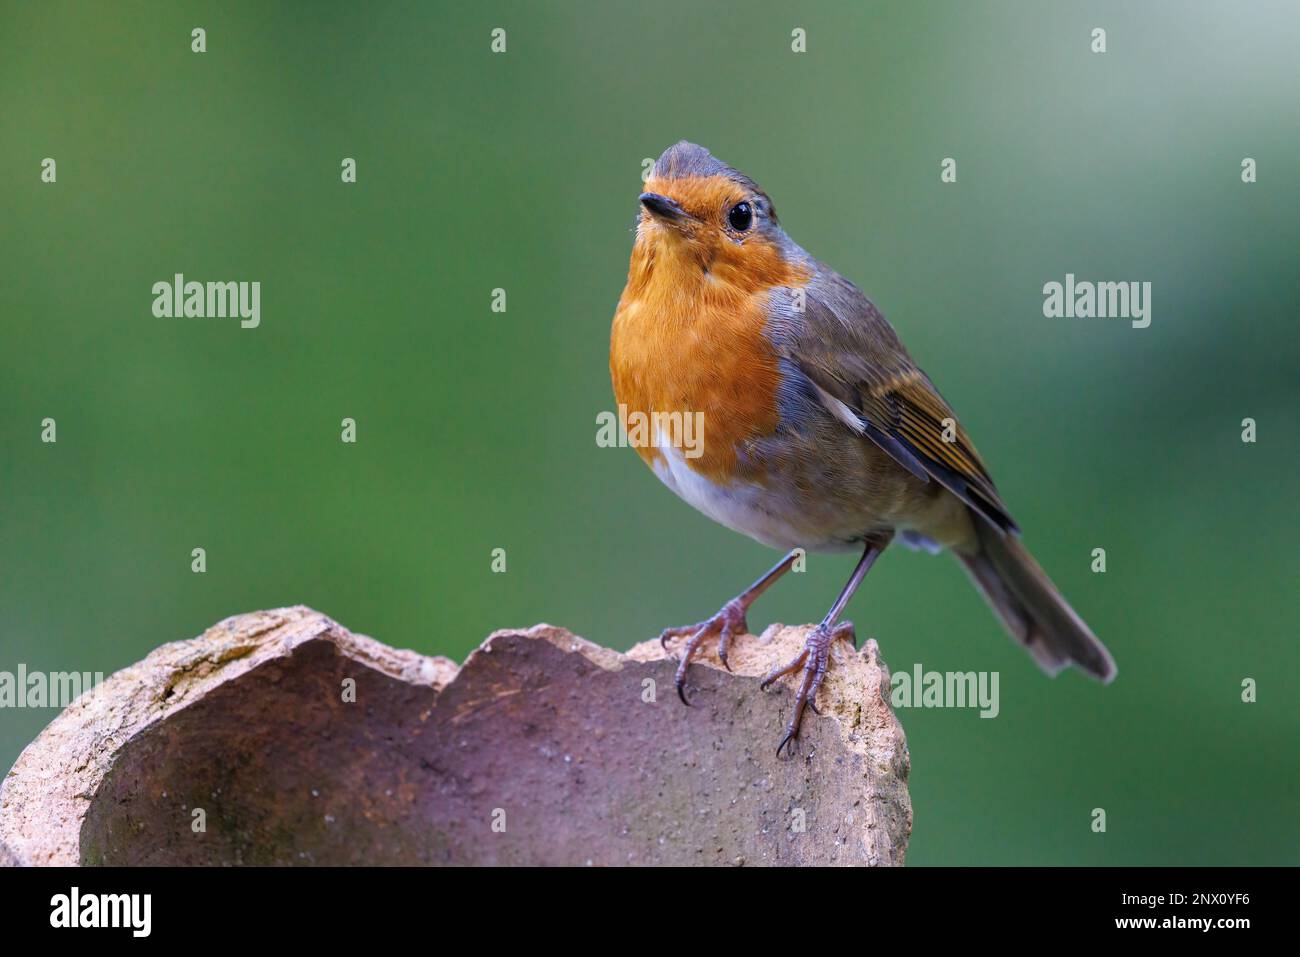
817	430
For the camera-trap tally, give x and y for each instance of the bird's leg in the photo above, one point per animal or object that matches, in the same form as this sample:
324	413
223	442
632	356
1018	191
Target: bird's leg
815	656
730	620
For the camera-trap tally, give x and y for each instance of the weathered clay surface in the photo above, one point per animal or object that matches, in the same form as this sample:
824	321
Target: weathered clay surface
543	749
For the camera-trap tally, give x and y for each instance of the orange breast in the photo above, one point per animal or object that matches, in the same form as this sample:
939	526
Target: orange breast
685	341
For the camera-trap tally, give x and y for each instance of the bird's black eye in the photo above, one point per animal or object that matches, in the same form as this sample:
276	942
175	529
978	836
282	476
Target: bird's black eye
740	217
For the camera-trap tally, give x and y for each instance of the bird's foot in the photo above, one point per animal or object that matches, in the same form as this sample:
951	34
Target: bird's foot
813	659
728	622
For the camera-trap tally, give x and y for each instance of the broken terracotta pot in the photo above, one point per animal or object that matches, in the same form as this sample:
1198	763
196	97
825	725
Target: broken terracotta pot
280	737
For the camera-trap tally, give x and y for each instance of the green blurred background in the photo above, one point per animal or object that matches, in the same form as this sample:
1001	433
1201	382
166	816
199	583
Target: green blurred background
477	430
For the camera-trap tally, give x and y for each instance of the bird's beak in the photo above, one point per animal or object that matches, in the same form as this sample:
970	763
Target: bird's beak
663	208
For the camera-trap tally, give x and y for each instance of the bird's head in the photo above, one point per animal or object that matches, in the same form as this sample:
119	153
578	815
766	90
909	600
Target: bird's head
701	218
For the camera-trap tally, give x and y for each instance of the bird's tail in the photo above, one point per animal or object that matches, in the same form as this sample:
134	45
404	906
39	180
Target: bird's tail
1030	606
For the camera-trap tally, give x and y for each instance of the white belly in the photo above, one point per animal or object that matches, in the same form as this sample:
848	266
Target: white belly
765	515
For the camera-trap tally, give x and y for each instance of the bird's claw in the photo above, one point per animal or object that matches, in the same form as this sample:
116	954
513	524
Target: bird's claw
727	623
813	658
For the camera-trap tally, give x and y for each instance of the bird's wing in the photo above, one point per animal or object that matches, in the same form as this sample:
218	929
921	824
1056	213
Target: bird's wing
864	376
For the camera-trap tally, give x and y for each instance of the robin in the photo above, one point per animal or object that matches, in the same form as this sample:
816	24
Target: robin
819	432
